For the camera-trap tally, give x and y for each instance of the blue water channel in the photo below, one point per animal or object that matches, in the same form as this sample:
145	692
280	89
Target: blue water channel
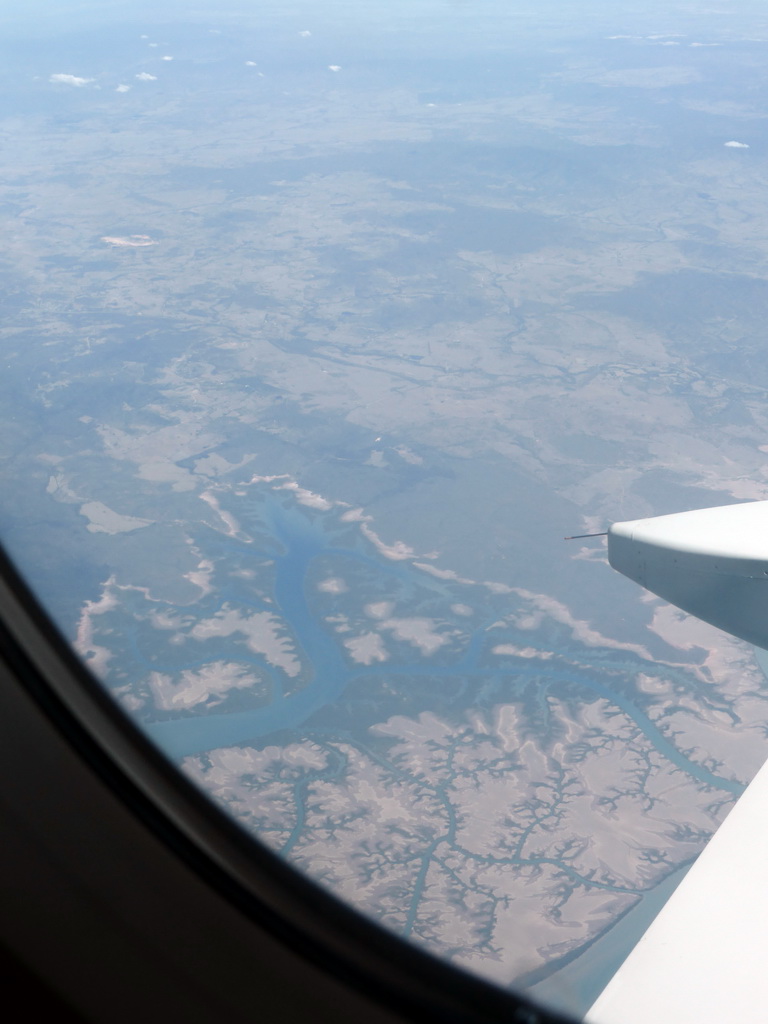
301	541
583	974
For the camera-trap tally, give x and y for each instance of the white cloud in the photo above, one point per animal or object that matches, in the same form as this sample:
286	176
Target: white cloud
704	44
144	76
69	80
304	33
123	88
153	44
334	67
669	42
143	37
129	241
251	64
167	58
737	145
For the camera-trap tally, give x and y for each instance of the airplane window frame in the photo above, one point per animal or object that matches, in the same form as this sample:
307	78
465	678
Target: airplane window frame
295	912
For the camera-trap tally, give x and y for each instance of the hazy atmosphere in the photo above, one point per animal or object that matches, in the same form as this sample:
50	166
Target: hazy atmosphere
323	325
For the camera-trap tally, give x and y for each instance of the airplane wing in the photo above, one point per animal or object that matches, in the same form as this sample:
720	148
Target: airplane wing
712	562
703	960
